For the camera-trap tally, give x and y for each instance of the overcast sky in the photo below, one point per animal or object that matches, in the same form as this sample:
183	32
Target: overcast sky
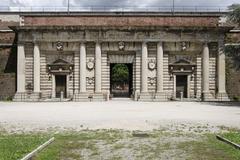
137	3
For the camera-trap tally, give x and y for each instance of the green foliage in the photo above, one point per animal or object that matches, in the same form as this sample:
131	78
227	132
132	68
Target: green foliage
233	51
233	136
234	14
120	73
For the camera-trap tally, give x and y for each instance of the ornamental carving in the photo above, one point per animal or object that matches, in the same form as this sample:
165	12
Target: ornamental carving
121	46
90	64
151	80
151	64
59	46
90	80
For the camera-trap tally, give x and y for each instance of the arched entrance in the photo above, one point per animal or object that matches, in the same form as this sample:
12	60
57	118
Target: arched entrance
121	78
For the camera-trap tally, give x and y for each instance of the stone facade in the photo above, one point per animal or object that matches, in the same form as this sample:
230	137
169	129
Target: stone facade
167	54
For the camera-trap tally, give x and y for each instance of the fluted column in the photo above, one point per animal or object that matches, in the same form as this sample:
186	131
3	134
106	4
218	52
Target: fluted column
159	67
98	76
221	72
20	68
205	71
36	67
82	67
144	81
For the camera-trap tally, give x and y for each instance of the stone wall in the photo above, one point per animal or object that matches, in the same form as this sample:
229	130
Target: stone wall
8	57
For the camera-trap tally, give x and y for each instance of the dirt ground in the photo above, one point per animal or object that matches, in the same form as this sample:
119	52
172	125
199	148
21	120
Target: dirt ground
127	115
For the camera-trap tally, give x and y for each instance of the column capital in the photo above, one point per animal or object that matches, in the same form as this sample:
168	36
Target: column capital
82	42
19	43
160	43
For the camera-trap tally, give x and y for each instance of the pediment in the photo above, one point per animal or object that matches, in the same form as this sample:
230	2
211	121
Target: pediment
60	62
183	62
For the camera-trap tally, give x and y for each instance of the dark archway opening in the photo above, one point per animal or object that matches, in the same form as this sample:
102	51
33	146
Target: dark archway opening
121	79
181	86
61	86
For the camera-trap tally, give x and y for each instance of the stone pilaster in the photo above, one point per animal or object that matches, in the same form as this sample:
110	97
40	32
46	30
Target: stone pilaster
53	86
82	68
144	95
20	94
36	62
98	68
144	82
221	95
98	95
205	74
36	73
160	95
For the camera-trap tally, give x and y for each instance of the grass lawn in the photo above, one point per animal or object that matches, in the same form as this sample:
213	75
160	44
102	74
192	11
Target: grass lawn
15	146
118	144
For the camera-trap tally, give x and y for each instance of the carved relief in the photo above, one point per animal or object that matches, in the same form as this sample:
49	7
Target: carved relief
151	64
152	80
90	80
121	46
59	46
90	64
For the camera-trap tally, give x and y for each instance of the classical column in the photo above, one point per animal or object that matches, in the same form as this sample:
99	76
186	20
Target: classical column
205	71
36	68
144	68
159	67
98	76
221	72
20	68
82	67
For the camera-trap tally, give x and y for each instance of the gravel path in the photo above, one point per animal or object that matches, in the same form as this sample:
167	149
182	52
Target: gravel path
127	115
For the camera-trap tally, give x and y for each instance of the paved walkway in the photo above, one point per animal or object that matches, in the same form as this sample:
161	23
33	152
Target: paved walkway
128	115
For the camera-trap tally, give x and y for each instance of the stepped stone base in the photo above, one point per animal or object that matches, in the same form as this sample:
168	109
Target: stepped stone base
145	97
82	97
160	96
27	97
222	97
98	97
207	96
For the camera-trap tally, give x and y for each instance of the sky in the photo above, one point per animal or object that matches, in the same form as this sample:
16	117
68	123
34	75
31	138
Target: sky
122	3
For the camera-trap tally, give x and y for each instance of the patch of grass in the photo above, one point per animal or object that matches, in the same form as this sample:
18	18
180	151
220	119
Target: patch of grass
118	144
209	148
70	145
15	146
233	136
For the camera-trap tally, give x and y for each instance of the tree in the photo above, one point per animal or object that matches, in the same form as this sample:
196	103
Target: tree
120	73
234	14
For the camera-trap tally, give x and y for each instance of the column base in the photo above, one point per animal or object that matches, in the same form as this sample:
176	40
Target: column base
27	97
145	96
160	96
81	97
20	97
223	96
99	97
207	96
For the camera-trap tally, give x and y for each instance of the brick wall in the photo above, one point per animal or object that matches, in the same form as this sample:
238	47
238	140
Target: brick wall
120	21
